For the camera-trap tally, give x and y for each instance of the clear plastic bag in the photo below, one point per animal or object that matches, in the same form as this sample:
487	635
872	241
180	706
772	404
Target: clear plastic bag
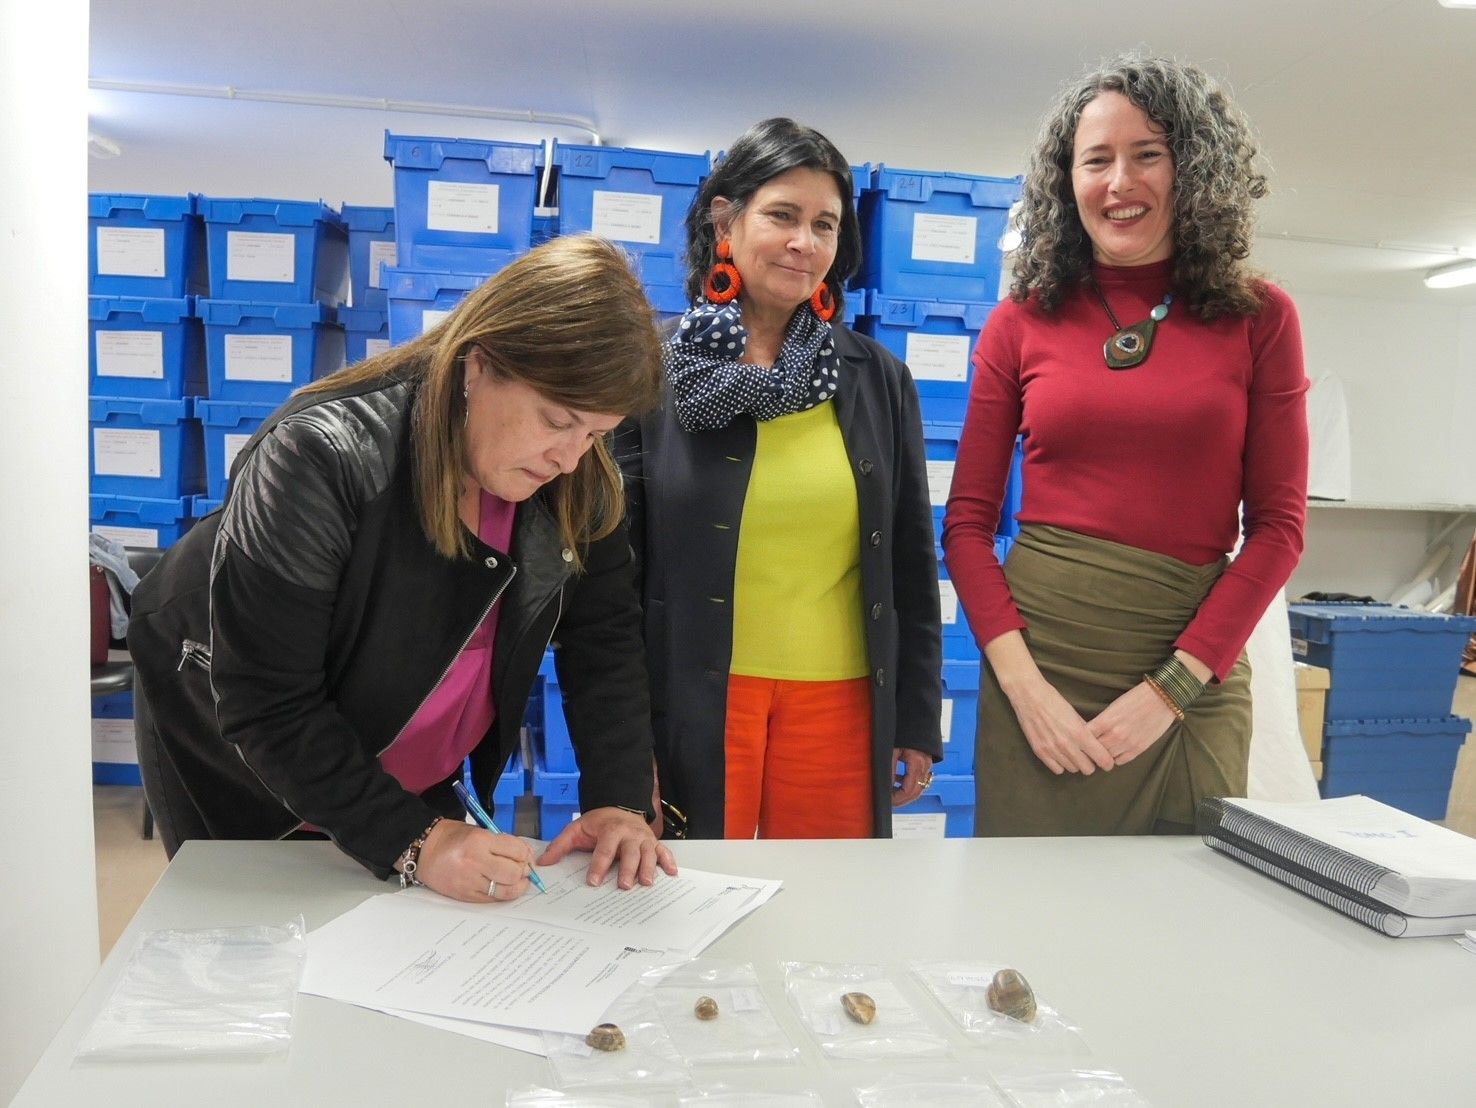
960	1092
1069	1088
648	1055
961	988
537	1097
898	1030
724	1096
217	992
744	1029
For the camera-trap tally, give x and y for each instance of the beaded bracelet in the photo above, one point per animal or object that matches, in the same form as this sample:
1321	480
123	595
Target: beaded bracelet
1174	680
410	860
1156	687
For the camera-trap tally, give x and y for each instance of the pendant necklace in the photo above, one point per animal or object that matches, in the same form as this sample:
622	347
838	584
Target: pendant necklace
1130	346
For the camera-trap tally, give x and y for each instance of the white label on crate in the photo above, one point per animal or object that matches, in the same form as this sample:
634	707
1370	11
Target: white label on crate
626	216
375	346
258	358
470	209
261	256
130	354
233	444
430	318
112	741
381	254
932	825
944	238
119	453
938	357
130	252
1299	647
129	536
940	477
947	717
948	600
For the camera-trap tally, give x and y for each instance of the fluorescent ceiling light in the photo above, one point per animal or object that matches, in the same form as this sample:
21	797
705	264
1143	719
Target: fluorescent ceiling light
1453	275
1458	3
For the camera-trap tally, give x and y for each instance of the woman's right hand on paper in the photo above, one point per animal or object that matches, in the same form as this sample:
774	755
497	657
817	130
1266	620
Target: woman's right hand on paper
470	864
1057	734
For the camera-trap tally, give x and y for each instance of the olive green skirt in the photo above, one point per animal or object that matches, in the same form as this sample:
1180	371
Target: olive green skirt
1099	615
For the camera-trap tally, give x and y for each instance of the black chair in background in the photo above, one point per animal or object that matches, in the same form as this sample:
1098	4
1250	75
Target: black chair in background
115	677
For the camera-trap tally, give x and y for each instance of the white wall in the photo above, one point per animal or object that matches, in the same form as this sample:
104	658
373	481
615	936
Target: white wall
48	913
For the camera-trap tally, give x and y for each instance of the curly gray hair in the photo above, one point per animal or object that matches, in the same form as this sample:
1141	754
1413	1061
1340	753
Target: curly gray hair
1215	186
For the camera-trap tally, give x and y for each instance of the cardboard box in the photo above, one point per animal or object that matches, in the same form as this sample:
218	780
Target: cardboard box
1312	686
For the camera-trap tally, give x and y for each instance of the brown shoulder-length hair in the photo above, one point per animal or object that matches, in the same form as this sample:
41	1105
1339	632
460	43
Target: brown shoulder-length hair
568	319
1216	183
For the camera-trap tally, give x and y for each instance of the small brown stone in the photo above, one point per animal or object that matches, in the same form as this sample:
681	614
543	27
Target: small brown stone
606	1037
859	1007
1011	995
706	1008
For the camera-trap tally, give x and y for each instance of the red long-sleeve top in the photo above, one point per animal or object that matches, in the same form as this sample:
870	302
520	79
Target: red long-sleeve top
1160	457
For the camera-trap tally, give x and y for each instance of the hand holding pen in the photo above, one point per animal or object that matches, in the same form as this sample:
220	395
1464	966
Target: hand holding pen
479	814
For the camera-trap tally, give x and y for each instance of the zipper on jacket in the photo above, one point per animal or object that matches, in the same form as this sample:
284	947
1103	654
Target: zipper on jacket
196	652
431	692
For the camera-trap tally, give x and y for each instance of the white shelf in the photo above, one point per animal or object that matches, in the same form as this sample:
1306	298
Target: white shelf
1382	506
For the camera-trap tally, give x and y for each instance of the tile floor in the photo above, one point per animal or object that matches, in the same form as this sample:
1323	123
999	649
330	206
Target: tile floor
128	864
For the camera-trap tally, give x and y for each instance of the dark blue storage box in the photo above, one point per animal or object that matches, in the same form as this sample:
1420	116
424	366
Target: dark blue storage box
228	426
934	235
462	205
141	521
365	332
371	246
114	753
558	799
1385	662
1406	763
945	810
259	352
936	339
420	299
638	198
278	251
960	716
141	346
141	245
144	448
558	751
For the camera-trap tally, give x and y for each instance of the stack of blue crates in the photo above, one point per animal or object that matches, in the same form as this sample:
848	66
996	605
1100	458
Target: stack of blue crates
463	211
929	279
146	365
278	272
372	251
1388	732
555	771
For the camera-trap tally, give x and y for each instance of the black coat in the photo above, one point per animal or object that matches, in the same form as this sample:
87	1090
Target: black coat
687	492
329	618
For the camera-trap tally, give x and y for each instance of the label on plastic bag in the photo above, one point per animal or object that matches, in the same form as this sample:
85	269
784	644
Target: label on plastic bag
261	256
120	453
626	216
130	252
746	999
469	209
826	1024
938	357
258	358
131	354
968	980
944	238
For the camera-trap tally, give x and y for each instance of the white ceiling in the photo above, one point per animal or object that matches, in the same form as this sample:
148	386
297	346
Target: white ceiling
1363	106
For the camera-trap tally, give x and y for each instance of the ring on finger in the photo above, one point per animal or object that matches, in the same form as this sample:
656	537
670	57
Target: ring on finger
491	890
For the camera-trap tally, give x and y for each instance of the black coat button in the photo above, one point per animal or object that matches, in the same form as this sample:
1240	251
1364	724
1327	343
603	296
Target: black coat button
876	538
881	678
866	467
876	611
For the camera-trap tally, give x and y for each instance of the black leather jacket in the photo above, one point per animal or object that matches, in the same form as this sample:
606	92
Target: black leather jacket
325	618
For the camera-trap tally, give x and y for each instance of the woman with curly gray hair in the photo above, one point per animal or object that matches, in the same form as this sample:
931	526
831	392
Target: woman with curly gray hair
1159	386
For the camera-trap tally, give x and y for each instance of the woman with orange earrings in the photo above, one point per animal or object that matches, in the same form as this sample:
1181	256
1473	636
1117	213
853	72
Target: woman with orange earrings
781	500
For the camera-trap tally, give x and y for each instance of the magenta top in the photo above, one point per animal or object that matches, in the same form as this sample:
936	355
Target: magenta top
455	717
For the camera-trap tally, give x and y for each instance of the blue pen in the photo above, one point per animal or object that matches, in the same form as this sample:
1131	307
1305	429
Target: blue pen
478	813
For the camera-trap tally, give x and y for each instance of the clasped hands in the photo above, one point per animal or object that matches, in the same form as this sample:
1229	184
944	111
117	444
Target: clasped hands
468	863
1066	743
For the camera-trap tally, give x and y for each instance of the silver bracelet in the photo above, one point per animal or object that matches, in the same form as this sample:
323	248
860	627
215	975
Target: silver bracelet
410	860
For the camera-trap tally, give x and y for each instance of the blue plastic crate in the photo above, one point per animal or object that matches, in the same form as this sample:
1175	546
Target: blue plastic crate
935	338
940	441
510	785
228	425
144	448
141	245
365	332
259	352
114	753
278	251
202	506
638	198
140	346
945	810
558	799
667	300
420	299
545	225
958	637
1407	763
935	235
1385	662
462	205
140	520
371	247
960	716
1009	524
558	751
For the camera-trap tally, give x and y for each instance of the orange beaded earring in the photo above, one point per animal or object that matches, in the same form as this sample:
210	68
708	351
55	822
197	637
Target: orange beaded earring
822	302
724	282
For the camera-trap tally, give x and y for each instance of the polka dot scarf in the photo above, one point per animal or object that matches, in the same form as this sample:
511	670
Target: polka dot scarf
711	385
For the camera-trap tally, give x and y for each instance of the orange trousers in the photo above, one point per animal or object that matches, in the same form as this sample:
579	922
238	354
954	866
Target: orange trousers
798	759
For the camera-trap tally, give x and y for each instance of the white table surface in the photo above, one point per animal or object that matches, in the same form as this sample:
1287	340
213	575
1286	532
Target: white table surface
1202	982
